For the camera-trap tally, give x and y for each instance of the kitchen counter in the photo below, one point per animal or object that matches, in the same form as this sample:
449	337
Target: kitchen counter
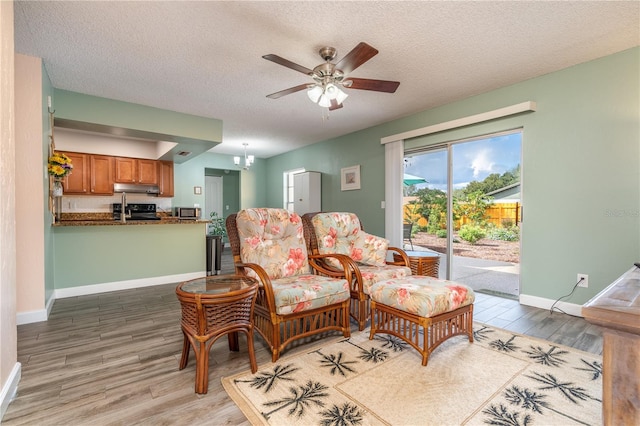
164	221
106	219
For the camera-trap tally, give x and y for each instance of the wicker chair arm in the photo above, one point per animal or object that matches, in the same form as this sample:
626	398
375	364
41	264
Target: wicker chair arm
264	281
350	272
320	265
405	259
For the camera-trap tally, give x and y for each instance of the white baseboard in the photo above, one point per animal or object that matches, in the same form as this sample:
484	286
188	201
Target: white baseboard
10	388
543	303
38	315
83	290
32	316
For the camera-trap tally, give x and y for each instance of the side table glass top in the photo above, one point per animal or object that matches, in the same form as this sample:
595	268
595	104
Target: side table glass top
217	284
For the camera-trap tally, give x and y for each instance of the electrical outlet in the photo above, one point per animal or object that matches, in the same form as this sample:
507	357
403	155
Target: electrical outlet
585	280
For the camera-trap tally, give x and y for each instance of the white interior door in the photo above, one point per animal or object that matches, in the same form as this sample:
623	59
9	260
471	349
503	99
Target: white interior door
212	196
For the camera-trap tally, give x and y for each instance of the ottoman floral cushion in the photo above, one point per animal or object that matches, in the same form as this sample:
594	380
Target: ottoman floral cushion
421	295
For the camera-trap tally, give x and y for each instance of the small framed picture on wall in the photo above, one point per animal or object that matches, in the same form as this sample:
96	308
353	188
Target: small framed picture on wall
350	178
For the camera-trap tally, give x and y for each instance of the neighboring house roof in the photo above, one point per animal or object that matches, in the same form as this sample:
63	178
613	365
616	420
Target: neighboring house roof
509	193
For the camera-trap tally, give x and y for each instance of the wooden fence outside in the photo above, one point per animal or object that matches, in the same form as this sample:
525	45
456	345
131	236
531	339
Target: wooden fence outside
498	214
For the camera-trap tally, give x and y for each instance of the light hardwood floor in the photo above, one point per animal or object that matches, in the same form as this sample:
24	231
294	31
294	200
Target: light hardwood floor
112	358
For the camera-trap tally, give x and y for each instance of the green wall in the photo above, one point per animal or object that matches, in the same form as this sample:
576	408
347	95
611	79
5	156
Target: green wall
109	112
252	185
329	157
86	255
581	173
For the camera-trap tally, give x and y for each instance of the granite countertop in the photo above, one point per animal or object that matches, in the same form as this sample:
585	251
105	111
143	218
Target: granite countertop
106	219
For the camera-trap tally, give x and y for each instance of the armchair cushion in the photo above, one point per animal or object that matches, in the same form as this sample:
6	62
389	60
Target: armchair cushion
341	233
369	249
305	292
273	239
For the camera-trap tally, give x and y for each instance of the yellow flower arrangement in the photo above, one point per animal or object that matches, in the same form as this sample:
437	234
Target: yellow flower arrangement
59	165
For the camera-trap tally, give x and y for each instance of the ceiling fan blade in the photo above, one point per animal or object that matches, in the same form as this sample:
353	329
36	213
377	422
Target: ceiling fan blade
375	85
288	91
358	56
334	105
287	63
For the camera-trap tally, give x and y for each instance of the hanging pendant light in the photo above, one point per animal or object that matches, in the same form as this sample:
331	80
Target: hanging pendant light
248	159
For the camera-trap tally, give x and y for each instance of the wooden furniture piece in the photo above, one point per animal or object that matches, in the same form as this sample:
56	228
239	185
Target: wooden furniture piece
617	309
422	262
407	228
345	226
439	314
213	306
294	300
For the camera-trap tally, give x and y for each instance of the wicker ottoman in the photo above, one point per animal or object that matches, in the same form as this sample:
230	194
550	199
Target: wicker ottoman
439	308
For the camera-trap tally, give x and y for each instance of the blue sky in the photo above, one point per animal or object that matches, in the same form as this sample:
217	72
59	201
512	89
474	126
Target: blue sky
473	160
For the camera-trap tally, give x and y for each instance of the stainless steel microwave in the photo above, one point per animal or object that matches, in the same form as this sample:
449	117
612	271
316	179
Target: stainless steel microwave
188	213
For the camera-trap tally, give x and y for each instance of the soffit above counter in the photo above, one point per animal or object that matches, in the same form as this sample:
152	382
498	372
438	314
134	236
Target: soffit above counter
184	148
175	133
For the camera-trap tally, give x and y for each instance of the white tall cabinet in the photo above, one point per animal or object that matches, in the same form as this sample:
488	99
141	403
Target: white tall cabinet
307	192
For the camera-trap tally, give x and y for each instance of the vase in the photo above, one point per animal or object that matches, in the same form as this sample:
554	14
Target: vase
57	188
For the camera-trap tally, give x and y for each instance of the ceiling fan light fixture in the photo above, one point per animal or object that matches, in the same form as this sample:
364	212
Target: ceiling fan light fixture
331	90
341	96
314	93
324	101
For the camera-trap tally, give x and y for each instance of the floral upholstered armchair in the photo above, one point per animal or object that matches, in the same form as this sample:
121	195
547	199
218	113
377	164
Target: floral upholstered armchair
342	233
293	301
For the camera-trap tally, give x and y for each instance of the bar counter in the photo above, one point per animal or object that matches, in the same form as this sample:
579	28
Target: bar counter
106	219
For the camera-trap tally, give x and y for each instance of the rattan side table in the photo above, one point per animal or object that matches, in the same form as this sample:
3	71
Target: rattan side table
213	306
422	262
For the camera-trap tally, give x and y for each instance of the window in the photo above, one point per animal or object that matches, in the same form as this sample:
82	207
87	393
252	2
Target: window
288	187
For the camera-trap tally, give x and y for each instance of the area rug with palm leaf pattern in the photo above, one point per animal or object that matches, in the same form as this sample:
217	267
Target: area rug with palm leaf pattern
501	379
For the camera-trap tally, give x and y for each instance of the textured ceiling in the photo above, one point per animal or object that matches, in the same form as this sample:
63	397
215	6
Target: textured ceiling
205	57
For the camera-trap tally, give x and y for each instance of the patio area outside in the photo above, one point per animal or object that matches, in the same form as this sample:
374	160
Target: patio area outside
488	266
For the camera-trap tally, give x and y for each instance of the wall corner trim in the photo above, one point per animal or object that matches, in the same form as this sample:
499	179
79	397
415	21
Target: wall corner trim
10	388
464	121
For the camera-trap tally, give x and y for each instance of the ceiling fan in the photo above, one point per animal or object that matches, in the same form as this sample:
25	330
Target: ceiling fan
329	77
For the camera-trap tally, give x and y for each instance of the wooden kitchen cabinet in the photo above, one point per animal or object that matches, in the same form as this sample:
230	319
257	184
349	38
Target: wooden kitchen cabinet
101	172
91	175
165	178
78	182
136	170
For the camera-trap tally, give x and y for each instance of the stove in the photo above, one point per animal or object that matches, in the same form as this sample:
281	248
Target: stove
138	211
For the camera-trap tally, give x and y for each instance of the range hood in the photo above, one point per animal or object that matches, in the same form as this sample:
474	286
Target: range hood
133	188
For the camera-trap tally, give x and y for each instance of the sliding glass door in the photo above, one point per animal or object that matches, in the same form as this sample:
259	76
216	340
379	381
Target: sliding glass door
464	201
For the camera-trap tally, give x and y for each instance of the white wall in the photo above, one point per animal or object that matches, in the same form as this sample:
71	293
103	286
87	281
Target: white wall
9	367
30	184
